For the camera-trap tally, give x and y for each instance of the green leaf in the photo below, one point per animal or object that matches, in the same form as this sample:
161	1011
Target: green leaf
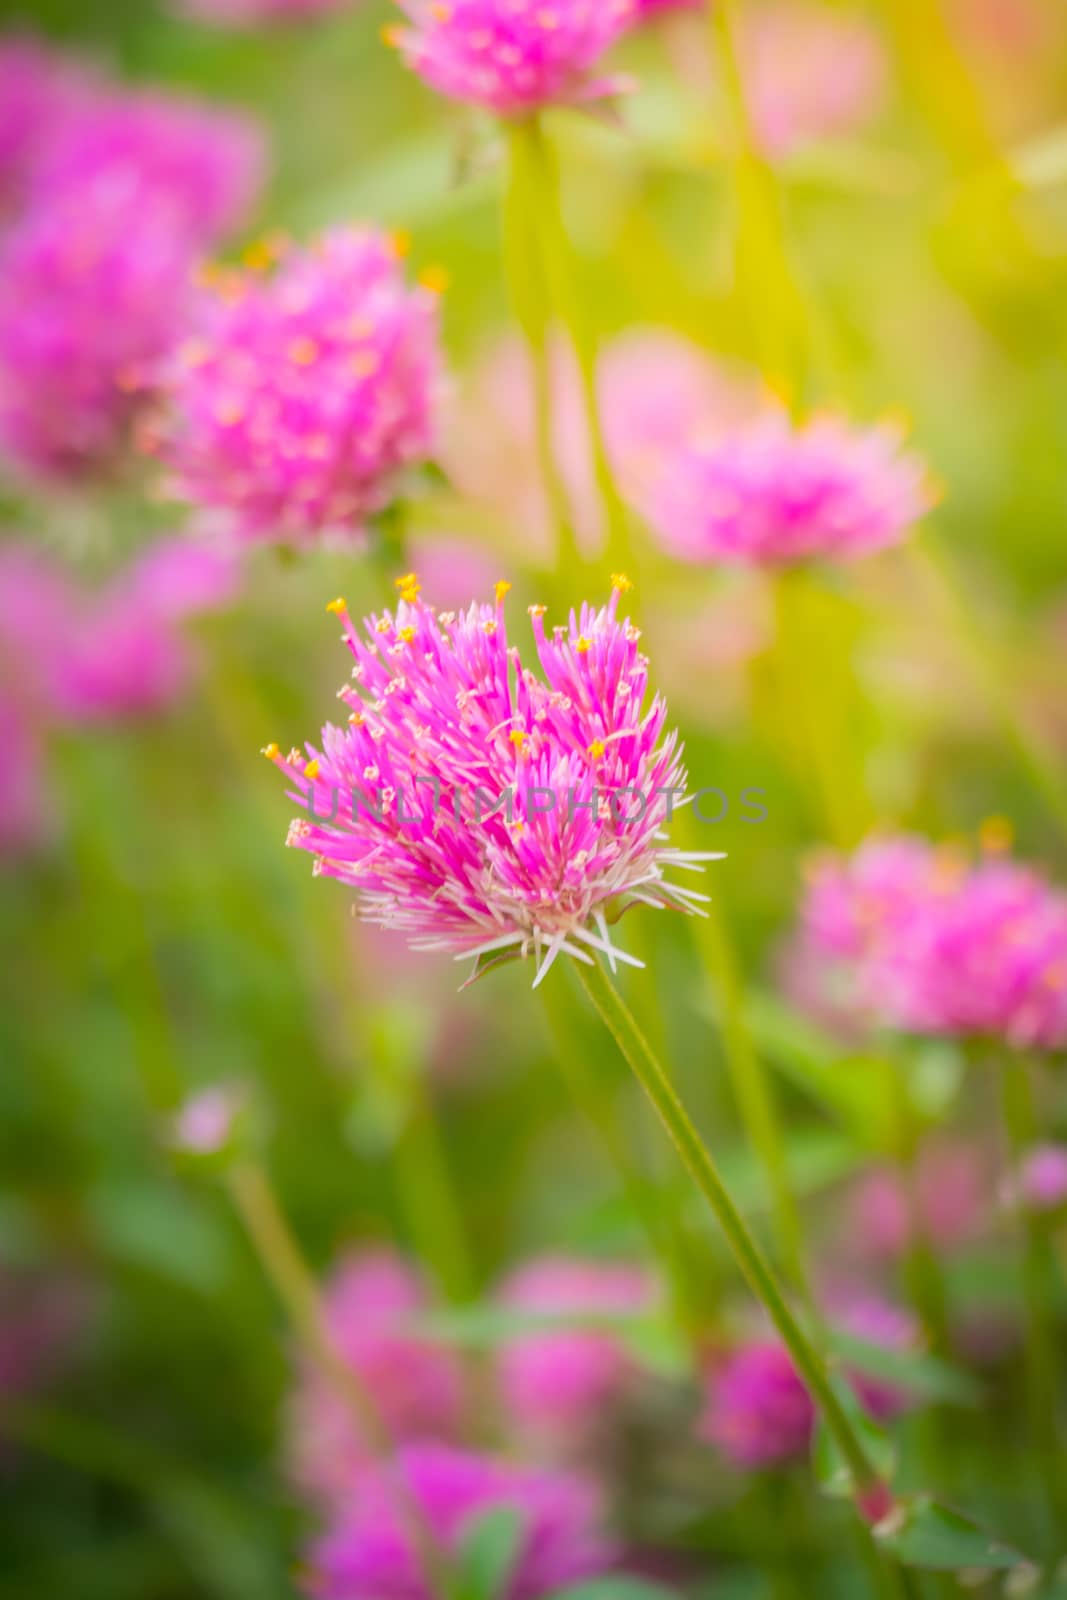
924	1375
921	1533
616	1586
488	1553
831	1469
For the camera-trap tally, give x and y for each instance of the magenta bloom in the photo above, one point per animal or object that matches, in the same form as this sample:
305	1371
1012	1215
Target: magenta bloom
417	1386
246	13
811	73
952	1189
92	287
368	1555
482	809
1042	1183
204	163
303	394
772	494
39	93
757	1410
565	1382
513	56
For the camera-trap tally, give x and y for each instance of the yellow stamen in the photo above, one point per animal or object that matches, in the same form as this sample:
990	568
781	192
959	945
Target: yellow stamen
536	611
596	749
407	634
410	580
584	645
311	770
338	606
382	625
502	588
518	737
271	751
620	581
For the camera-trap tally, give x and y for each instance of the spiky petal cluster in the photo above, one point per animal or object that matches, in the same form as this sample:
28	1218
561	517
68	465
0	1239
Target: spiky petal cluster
564	1382
512	56
935	945
757	1410
418	1386
774	494
481	809
303	393
369	1553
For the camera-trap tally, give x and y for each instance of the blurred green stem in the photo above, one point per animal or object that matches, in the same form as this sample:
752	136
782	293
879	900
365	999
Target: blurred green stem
676	1120
535	178
1041	1355
294	1282
429	1195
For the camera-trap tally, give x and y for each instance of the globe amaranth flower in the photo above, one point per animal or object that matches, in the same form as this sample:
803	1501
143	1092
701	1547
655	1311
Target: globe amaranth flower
369	1554
512	56
482	809
775	494
303	392
562	1382
418	1386
759	1413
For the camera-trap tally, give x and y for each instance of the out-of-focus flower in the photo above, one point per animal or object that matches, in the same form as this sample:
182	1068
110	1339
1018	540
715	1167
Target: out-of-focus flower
1041	1183
125	652
246	13
563	1383
207	1123
92	288
445	722
952	1185
757	1410
772	494
451	569
39	92
811	73
302	394
653	388
369	1554
417	1386
40	1318
204	164
513	56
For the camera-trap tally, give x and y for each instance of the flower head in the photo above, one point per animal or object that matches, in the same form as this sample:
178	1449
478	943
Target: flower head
369	1553
417	1385
1041	1184
562	1382
512	56
772	494
39	92
304	392
482	809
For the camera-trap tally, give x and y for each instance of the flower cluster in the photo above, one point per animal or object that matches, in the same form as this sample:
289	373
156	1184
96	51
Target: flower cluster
442	707
929	943
774	494
301	394
513	56
117	192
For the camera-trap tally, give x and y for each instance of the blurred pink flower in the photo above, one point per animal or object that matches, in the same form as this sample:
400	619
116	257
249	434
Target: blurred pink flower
512	56
206	1122
418	1386
302	395
452	569
774	494
524	878
811	73
39	91
369	1554
1041	1185
562	1383
92	288
952	1188
757	1410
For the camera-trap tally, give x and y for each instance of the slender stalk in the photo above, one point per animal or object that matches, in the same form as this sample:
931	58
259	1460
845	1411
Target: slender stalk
921	1266
534	156
1042	1361
293	1281
429	1194
672	1113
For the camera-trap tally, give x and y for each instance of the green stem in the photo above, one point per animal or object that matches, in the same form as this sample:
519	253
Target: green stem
755	1096
533	155
429	1194
1042	1365
672	1113
294	1282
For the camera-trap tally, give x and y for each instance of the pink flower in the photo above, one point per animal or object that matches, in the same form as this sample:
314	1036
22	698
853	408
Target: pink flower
417	1386
368	1555
952	1187
563	1383
811	73
757	1410
246	13
303	394
481	809
206	1123
92	287
39	92
772	494
125	653
1041	1185
204	164
513	56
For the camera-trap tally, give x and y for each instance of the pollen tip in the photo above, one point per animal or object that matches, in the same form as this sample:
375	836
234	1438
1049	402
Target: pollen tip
621	582
502	588
271	751
338	606
583	645
311	770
